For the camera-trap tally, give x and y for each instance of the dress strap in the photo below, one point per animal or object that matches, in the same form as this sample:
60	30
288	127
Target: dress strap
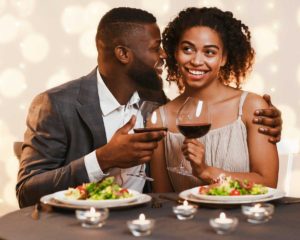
162	112
242	100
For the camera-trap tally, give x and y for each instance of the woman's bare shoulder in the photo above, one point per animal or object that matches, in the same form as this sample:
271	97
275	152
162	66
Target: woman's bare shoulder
255	101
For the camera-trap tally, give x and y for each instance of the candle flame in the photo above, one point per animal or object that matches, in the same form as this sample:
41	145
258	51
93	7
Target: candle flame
185	203
142	217
222	215
92	210
257	206
154	117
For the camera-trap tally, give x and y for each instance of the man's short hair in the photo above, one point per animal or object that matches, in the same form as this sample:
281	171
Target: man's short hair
120	23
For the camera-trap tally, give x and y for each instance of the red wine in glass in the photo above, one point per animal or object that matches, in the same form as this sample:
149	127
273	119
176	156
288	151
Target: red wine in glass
194	130
150	129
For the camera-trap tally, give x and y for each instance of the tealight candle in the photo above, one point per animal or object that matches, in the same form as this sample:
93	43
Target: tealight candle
259	213
223	219
141	226
92	218
223	224
185	211
92	214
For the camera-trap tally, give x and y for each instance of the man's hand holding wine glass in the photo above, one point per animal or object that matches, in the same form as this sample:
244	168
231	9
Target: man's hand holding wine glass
148	123
128	149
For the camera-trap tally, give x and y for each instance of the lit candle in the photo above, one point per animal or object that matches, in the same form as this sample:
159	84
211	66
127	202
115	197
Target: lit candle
257	209
185	211
223	224
185	206
142	220
141	226
223	219
92	218
92	214
259	213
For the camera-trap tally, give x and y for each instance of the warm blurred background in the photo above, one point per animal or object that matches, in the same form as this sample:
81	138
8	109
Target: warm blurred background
46	43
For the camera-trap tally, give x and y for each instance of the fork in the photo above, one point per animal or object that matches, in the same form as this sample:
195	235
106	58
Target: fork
175	199
156	203
35	215
38	208
141	175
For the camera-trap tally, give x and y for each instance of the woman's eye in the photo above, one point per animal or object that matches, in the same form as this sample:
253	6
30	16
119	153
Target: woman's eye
210	52
187	49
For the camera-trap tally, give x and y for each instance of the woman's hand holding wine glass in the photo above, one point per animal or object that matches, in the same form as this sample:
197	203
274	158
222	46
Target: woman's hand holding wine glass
193	121
194	152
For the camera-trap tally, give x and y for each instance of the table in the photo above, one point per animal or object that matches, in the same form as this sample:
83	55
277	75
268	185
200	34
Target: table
62	224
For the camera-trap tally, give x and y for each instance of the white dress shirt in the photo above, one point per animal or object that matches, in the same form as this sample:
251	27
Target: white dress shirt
114	116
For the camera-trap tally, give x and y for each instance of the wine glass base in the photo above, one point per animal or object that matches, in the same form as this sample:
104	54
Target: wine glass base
180	170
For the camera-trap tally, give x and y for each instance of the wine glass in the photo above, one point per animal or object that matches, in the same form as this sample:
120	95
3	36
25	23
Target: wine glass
193	121
147	121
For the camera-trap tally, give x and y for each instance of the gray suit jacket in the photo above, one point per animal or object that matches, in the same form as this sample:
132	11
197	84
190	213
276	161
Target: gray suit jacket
63	125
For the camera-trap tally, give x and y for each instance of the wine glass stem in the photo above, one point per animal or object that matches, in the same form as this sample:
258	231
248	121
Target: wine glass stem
181	164
141	172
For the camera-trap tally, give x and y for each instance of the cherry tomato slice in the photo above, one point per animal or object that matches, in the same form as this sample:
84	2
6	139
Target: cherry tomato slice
123	190
203	190
234	192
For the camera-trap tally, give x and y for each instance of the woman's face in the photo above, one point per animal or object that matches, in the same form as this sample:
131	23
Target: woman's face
200	56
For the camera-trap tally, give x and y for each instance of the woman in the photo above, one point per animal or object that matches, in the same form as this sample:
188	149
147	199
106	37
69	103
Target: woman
209	54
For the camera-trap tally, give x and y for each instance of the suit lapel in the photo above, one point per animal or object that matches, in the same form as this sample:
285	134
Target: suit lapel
89	108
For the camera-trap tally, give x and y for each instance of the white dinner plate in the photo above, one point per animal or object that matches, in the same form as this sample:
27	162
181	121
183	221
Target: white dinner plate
194	196
138	199
59	197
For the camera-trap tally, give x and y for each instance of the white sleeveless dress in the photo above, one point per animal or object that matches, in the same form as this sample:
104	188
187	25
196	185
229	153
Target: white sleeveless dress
225	148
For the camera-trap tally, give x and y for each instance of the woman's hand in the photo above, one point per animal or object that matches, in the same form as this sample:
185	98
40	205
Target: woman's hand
194	152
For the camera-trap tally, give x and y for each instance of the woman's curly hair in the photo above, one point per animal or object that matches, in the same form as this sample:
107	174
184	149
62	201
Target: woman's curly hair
234	34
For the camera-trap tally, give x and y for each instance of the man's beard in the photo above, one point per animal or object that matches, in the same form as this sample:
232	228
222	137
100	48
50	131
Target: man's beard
145	76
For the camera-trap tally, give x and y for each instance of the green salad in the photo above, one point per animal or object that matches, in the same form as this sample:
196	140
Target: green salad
233	187
106	189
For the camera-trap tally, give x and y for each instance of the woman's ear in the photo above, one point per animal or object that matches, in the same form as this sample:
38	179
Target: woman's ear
123	54
224	59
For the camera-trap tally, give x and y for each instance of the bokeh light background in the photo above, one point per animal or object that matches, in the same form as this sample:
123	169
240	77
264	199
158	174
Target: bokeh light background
46	43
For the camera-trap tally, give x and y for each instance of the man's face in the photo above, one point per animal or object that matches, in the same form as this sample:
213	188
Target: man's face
147	64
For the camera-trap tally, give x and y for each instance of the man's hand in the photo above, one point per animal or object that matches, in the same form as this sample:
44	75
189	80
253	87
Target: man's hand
270	119
127	150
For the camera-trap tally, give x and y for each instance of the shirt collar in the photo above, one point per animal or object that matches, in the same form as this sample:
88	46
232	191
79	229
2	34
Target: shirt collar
108	102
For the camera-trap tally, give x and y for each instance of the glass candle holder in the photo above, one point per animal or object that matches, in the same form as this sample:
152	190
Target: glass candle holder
185	211
141	226
258	213
92	218
223	224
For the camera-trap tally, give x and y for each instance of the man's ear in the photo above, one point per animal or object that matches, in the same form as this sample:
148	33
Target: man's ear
123	54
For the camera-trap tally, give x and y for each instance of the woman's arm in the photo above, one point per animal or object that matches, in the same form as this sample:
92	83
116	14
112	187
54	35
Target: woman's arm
263	155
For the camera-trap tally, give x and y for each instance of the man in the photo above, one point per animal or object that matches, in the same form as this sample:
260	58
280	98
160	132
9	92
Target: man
76	132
